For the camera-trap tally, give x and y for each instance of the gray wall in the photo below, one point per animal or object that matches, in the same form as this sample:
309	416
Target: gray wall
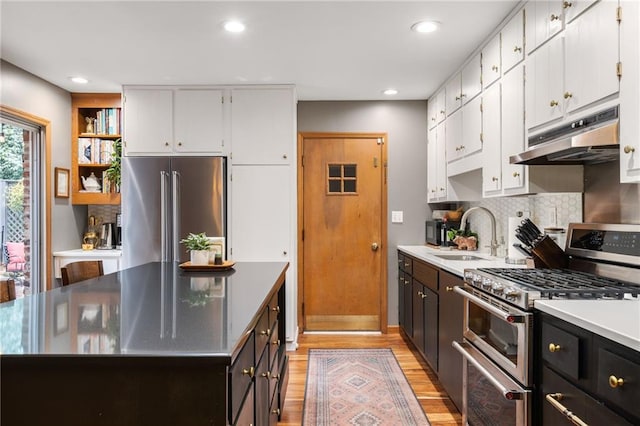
405	123
28	93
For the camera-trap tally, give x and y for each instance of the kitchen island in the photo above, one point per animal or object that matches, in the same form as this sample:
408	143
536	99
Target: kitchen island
150	345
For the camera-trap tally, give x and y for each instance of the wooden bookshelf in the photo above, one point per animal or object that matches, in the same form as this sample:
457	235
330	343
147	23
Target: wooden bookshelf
85	105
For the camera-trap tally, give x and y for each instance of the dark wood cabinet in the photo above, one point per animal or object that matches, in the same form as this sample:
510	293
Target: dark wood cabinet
582	371
450	312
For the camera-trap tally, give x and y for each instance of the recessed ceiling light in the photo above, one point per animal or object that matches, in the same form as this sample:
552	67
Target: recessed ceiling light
79	80
390	92
234	26
425	26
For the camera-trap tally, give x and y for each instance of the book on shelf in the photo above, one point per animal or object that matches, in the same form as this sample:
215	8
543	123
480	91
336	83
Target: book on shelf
94	151
84	150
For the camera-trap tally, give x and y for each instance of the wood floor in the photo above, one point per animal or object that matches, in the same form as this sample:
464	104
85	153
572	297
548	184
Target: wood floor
434	400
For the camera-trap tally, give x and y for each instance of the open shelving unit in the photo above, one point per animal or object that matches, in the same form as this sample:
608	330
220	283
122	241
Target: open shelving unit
93	105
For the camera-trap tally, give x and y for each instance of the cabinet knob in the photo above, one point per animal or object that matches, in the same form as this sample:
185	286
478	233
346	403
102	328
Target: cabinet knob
374	246
615	382
567	4
284	156
433	119
448	288
554	348
495	68
628	149
517	49
553	103
276	411
166	144
554	17
276	309
441	111
284	253
266	375
423	295
458	98
266	332
433	190
441	189
179	143
568	95
248	371
419	293
406	264
276	342
494	179
516	174
275	376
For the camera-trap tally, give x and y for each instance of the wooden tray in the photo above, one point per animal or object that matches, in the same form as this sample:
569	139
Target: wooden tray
228	264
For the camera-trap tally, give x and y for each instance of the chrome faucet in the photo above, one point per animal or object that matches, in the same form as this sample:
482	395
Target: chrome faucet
494	241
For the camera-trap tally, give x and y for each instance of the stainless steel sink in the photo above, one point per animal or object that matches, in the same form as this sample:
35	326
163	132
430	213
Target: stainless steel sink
458	257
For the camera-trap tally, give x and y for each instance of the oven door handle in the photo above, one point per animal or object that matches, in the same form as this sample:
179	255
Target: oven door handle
510	317
508	394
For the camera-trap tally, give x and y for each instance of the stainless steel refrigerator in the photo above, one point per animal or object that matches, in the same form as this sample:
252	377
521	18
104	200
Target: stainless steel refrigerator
166	198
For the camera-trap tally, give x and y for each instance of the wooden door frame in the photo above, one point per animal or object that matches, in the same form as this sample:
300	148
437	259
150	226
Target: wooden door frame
384	287
46	208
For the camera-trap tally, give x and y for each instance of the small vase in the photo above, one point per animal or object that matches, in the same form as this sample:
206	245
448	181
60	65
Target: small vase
199	257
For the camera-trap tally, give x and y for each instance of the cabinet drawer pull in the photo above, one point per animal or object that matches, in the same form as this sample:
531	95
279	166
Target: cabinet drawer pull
449	288
554	348
553	399
553	103
616	382
628	149
249	371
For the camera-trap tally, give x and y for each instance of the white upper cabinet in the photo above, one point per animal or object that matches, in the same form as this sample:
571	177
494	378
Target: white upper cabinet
453	136
491	62
436	109
172	121
513	140
491	170
262	125
197	119
573	8
591	56
544	88
543	21
436	165
513	42
629	89
453	94
471	77
147	121
472	127
432	166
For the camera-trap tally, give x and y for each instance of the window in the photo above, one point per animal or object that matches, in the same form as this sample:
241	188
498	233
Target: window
341	179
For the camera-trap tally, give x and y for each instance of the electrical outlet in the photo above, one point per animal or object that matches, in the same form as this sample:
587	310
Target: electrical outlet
396	217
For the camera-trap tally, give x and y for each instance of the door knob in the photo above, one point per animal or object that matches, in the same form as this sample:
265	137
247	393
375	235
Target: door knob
374	246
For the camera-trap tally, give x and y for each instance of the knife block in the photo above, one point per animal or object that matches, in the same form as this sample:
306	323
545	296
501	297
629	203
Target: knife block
547	254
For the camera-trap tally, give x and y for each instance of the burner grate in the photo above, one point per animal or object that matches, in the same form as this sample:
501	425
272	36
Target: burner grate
565	283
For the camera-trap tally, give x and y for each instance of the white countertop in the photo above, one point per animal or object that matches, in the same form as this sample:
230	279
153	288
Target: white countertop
88	253
457	267
617	320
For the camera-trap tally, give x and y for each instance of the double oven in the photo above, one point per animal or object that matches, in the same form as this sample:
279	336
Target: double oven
498	326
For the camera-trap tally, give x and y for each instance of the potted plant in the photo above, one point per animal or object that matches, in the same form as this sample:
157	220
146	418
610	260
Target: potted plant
113	173
198	246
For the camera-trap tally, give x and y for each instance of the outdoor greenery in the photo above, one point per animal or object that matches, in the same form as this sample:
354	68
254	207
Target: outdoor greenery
11	153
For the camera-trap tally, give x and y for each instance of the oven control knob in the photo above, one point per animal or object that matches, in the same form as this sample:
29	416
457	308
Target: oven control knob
486	284
497	288
512	294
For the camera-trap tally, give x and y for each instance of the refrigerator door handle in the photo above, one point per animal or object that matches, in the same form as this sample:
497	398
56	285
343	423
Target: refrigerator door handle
175	186
164	206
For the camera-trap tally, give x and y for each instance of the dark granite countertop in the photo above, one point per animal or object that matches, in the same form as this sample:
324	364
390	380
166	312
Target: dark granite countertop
155	309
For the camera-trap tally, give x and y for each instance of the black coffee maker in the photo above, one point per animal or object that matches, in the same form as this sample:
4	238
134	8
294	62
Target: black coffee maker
118	233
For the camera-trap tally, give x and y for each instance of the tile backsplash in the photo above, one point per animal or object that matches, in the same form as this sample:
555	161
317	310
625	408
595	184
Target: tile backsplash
545	210
104	214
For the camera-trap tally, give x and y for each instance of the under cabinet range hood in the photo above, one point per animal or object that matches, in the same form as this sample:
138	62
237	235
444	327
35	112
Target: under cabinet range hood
589	140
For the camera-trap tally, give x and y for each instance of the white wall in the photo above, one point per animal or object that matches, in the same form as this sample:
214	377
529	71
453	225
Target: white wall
28	93
405	123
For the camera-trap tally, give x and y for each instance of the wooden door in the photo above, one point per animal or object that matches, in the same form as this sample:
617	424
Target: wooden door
343	236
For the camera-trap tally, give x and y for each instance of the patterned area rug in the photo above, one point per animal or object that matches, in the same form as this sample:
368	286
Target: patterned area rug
363	387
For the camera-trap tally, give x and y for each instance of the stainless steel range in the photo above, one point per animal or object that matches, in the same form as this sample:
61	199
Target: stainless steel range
603	262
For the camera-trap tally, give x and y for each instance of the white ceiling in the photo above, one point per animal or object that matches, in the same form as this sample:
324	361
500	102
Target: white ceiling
331	50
